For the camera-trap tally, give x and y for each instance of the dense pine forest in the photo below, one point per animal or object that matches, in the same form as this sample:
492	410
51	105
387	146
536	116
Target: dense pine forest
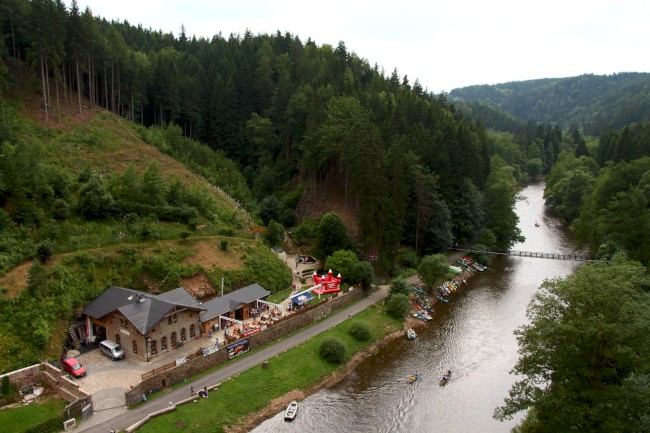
127	151
291	115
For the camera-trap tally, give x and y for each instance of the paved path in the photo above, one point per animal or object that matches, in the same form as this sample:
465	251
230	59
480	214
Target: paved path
120	419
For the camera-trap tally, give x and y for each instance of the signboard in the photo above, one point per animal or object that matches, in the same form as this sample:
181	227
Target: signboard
238	348
251	332
181	361
210	350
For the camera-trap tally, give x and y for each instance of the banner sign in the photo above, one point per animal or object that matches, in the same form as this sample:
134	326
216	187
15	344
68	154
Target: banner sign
181	361
210	350
238	348
251	332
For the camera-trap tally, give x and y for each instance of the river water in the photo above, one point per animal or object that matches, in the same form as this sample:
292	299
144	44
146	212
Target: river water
472	336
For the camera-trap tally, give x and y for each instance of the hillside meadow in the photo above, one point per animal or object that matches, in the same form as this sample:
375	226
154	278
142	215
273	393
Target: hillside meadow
87	204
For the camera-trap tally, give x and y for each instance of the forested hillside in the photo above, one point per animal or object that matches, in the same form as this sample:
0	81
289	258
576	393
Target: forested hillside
289	113
116	138
593	103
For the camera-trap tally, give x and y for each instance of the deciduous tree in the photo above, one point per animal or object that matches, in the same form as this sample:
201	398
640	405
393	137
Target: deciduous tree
584	360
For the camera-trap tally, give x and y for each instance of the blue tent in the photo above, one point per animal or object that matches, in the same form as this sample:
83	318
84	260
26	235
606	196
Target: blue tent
301	298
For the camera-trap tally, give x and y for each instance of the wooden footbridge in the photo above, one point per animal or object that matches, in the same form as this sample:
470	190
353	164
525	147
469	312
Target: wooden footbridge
576	257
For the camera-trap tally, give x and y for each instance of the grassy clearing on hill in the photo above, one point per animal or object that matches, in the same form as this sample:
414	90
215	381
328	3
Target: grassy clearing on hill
165	222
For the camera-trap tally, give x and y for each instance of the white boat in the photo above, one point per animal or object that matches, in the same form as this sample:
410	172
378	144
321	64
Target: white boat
410	334
290	412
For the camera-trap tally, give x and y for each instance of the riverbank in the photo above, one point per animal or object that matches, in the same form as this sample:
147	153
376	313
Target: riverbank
257	388
278	404
255	393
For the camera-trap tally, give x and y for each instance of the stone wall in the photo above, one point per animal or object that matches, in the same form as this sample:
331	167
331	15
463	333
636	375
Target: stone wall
58	381
24	377
277	330
49	376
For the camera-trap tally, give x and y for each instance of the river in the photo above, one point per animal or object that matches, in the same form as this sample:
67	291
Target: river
472	336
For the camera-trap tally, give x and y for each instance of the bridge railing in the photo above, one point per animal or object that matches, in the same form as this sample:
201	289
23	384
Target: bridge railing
579	257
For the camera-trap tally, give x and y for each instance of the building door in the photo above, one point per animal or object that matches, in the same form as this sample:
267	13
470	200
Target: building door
173	340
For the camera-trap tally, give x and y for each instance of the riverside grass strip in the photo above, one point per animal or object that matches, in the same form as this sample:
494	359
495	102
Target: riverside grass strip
299	368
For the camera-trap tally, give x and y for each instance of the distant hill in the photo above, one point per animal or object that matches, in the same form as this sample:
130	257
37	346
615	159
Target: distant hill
596	103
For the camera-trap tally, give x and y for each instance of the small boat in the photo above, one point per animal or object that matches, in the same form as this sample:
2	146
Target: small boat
419	290
410	334
478	267
290	412
445	378
419	316
441	299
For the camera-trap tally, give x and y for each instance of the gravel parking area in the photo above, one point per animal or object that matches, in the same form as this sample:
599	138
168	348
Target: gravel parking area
103	373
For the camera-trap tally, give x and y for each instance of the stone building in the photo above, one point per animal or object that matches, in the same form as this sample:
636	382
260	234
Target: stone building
144	325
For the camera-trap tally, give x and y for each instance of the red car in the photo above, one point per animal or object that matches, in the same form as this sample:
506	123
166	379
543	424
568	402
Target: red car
73	367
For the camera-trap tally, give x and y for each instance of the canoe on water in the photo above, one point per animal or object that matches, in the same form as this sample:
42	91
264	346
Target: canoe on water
445	378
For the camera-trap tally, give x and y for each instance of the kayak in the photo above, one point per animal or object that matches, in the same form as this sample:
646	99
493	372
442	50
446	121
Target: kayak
445	379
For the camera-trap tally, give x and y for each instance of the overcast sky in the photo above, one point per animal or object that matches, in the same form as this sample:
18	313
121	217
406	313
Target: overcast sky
445	44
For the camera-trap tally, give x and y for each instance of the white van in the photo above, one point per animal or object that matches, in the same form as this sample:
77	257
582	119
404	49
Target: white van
111	349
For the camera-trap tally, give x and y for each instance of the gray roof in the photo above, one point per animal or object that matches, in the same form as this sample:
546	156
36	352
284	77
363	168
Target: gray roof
143	310
231	301
112	299
180	296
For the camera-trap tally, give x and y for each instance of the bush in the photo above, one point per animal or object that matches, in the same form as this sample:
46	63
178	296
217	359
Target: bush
6	386
185	234
332	350
399	285
410	260
226	232
364	275
41	333
52	425
480	257
305	232
360	331
274	234
224	244
397	305
44	251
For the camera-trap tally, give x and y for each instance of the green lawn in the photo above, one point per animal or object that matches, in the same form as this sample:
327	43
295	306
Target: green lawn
23	418
276	298
255	388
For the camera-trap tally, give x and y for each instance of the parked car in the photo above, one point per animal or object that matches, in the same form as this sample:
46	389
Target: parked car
111	349
72	366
